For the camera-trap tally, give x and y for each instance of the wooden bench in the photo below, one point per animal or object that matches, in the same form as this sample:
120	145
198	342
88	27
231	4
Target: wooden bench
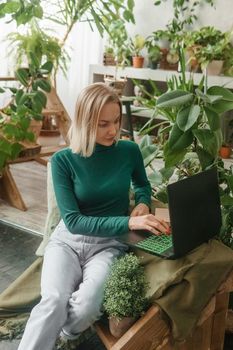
152	332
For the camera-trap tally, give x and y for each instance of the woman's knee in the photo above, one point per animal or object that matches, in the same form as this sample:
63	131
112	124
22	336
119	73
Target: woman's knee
54	303
89	306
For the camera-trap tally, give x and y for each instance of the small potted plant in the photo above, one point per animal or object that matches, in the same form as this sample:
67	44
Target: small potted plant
226	148
117	54
210	47
125	294
136	46
154	53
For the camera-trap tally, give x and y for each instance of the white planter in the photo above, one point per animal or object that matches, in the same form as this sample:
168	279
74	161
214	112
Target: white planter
214	67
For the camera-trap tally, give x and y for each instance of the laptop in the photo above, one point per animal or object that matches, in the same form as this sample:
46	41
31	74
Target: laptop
195	217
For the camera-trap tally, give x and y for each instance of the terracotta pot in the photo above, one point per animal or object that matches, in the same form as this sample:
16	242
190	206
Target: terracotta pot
225	152
138	61
118	326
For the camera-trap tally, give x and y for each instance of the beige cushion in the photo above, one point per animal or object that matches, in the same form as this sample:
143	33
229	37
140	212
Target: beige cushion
53	216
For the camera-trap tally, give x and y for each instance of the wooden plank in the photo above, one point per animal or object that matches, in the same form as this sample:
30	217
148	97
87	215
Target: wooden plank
9	190
151	325
48	151
41	161
8	79
106	337
219	321
149	332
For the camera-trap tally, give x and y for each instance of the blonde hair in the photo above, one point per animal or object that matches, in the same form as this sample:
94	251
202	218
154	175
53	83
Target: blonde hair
83	130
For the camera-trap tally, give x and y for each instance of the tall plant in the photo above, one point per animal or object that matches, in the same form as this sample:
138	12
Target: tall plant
193	138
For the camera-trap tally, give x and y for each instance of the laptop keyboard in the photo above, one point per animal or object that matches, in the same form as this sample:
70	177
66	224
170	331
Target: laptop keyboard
156	244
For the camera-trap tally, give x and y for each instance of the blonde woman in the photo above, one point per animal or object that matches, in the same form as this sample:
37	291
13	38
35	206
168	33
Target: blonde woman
91	179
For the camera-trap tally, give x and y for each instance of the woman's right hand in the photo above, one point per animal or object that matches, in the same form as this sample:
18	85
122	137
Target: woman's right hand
149	222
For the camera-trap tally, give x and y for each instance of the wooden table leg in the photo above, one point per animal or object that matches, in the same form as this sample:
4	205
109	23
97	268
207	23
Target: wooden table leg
9	190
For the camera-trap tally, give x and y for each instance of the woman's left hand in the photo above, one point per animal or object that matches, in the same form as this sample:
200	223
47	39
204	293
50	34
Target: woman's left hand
140	209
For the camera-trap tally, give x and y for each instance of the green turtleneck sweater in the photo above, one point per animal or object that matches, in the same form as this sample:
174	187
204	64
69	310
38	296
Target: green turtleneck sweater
93	193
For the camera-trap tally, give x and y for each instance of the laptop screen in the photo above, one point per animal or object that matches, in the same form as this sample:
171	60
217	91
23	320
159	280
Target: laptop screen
194	207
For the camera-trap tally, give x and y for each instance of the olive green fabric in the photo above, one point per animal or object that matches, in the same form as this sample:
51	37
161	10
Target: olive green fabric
183	287
17	301
180	287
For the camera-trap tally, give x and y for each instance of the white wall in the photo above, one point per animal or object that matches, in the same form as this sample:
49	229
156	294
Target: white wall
150	18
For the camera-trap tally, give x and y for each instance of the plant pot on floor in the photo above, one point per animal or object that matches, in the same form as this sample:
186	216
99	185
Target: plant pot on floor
118	326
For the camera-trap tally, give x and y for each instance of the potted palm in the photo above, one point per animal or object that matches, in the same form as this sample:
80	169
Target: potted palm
125	294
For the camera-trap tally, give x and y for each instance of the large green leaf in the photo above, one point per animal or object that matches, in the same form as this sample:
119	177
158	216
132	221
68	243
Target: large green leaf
145	141
187	117
174	98
213	118
22	75
47	67
149	153
171	157
204	157
44	85
39	101
16	148
21	111
219	137
18	96
227	200
10	6
226	94
155	178
178	139
222	106
5	146
11	131
208	140
230	182
167	172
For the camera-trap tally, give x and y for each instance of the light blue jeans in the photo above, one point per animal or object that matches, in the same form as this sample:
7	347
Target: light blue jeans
74	271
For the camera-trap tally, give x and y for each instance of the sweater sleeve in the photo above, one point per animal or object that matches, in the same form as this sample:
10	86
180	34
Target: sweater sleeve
141	184
67	202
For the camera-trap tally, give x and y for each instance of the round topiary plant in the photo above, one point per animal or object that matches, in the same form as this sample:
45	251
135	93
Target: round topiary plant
125	291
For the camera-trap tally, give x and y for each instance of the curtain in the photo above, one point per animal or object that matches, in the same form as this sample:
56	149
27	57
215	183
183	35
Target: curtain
85	47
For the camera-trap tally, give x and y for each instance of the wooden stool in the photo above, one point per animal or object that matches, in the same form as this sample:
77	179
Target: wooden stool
151	332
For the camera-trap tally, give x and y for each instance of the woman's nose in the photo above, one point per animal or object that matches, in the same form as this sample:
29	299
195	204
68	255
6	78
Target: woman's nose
113	129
